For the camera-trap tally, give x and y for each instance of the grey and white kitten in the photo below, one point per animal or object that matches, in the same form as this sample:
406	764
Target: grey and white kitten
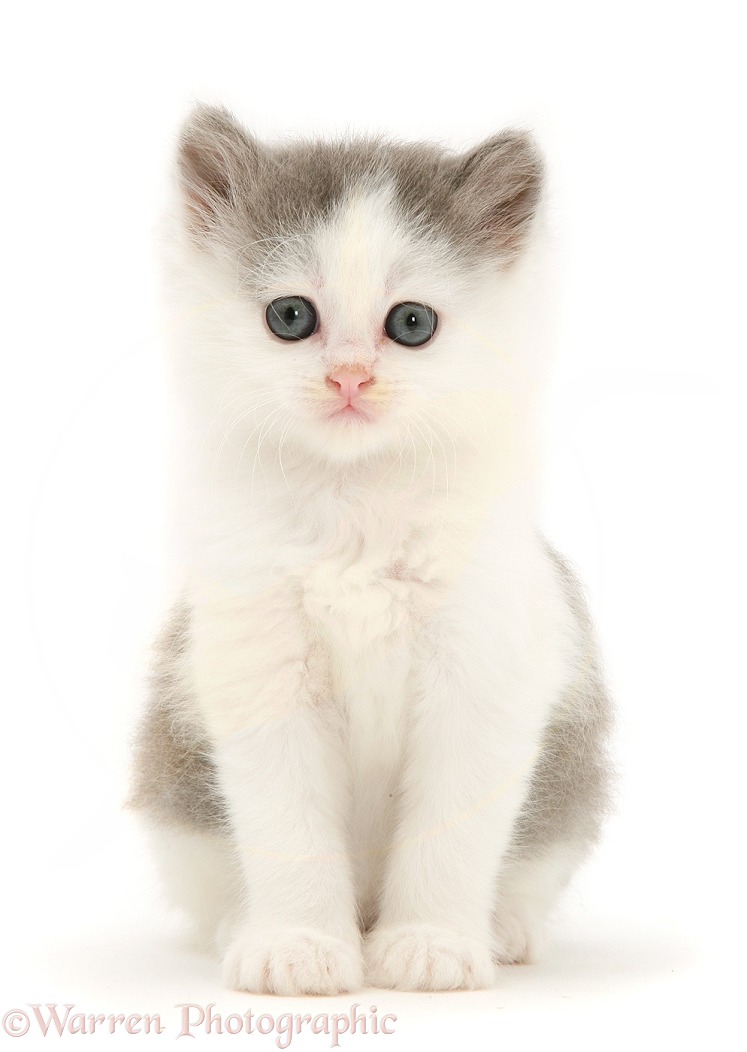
375	745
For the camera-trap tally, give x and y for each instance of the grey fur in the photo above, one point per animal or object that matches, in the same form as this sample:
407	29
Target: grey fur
569	794
254	197
174	777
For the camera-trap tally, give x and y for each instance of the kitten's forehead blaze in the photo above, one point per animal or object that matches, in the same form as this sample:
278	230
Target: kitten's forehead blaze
360	259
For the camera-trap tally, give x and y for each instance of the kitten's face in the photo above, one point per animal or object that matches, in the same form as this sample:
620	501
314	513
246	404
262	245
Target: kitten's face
350	303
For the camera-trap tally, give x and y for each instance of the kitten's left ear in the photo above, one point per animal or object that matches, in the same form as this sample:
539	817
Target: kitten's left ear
497	187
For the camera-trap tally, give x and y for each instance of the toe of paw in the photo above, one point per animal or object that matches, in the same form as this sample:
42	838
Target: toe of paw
415	958
292	962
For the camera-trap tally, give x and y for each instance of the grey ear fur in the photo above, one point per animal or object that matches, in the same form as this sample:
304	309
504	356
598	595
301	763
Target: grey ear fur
498	186
217	160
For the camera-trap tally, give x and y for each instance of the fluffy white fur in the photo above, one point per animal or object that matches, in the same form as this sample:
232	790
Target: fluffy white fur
378	636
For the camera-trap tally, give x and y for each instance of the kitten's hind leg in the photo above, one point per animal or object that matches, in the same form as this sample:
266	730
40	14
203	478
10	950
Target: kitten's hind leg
528	891
568	800
199	876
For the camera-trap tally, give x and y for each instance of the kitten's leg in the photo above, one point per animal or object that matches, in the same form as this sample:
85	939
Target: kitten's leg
474	735
279	765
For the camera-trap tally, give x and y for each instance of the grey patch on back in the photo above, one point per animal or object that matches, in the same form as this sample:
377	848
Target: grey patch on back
569	794
174	777
257	198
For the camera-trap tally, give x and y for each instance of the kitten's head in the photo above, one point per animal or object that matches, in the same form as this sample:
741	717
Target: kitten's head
354	296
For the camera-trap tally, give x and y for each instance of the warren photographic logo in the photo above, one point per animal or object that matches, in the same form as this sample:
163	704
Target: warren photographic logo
56	1020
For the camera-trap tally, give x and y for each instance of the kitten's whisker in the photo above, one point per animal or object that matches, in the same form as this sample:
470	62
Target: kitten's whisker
431	458
257	426
254	392
241	414
251	434
234	423
214	420
269	421
446	472
404	444
283	433
476	409
444	503
443	453
414	453
429	414
434	409
398	458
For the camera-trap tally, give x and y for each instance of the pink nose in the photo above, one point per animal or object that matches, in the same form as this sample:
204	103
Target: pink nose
348	383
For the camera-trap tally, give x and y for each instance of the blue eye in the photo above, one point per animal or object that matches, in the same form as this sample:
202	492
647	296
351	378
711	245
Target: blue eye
292	317
411	324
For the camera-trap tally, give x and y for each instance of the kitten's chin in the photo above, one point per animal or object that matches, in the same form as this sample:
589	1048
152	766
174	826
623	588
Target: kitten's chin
350	434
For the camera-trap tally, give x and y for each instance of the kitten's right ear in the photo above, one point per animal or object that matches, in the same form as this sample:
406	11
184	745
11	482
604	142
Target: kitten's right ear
217	162
497	188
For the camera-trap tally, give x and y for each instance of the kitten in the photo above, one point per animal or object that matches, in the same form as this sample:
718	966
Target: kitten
375	746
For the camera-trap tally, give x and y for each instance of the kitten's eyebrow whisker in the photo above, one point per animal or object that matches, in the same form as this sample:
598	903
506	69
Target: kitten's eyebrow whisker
263	270
276	239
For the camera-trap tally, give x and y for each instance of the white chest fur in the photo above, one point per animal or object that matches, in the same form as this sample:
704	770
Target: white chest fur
357	606
365	596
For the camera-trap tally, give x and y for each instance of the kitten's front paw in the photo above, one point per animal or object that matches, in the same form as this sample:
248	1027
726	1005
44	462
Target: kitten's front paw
416	957
292	961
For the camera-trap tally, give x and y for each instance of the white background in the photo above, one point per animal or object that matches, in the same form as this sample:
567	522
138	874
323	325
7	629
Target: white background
639	107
